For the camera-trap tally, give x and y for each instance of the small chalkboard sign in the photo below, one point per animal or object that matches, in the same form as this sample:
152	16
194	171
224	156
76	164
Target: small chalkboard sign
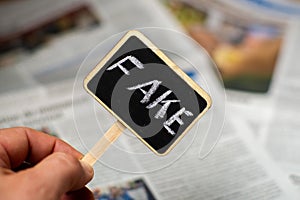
148	93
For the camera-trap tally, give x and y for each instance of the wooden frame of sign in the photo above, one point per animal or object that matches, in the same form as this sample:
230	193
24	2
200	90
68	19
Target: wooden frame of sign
113	133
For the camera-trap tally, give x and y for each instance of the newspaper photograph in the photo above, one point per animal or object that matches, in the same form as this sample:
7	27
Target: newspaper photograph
134	189
245	48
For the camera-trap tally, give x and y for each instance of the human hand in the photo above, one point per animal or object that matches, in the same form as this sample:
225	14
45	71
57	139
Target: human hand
56	171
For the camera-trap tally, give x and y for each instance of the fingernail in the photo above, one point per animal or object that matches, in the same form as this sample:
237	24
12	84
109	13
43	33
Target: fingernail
87	167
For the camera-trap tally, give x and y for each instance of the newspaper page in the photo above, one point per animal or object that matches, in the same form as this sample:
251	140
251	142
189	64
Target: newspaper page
236	41
226	171
236	168
61	42
245	45
281	131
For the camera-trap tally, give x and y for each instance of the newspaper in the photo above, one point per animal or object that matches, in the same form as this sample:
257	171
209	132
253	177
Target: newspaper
37	95
60	58
246	46
280	134
236	169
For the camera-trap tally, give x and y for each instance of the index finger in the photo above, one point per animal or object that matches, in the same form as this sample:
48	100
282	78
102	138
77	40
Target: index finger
24	144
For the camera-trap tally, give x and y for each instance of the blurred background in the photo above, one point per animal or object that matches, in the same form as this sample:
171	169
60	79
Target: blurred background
254	44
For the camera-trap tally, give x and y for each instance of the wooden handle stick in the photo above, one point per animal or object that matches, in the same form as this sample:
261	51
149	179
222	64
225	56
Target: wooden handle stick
100	147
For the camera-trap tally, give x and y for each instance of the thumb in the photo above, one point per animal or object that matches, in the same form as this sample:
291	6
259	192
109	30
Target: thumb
55	175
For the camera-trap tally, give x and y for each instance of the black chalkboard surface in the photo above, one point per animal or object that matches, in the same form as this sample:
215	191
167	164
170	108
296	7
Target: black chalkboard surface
147	92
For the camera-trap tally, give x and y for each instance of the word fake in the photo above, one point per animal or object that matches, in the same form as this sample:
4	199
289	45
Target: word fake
147	95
